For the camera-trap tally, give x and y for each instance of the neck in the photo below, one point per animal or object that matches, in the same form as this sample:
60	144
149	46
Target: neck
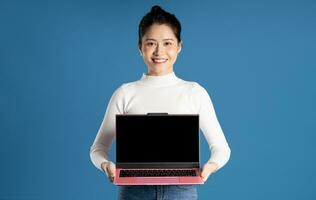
160	80
159	73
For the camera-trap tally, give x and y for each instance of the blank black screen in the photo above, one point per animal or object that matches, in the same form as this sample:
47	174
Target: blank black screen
170	138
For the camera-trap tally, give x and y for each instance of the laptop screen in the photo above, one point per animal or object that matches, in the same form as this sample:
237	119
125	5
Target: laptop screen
157	139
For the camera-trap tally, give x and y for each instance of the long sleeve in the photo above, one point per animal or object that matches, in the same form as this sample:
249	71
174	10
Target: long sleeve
106	133
161	94
220	150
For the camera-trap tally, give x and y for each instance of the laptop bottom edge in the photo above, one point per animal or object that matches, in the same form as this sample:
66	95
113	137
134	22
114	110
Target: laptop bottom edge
176	180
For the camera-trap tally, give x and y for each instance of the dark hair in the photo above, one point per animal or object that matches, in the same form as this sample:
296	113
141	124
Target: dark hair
158	16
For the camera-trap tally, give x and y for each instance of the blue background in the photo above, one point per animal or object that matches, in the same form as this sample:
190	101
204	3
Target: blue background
60	62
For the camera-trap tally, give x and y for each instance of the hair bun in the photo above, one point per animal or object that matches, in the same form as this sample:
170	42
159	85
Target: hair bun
156	9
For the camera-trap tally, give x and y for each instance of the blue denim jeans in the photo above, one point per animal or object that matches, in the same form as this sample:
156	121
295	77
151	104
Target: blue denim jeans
158	192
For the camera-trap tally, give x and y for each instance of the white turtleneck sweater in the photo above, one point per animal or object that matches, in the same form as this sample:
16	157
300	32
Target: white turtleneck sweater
162	94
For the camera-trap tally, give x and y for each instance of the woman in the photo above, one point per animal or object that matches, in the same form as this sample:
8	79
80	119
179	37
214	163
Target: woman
160	90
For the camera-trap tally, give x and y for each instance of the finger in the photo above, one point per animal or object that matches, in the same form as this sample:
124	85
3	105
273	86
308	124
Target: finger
205	178
112	166
205	175
205	171
111	172
111	169
111	179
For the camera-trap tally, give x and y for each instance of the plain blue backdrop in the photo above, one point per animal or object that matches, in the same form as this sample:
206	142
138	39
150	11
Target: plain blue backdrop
60	62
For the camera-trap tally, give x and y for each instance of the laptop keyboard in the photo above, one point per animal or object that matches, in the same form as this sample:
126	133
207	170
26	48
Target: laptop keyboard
157	172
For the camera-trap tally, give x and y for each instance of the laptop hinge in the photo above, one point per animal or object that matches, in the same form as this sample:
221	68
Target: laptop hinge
158	165
157	114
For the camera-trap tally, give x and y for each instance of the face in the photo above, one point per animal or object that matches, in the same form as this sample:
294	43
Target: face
159	49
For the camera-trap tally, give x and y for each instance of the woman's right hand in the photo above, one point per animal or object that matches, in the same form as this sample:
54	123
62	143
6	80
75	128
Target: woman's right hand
109	169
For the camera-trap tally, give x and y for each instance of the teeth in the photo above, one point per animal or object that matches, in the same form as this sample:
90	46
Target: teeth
159	60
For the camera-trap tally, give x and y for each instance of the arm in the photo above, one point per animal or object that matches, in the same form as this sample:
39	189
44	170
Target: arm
106	133
220	151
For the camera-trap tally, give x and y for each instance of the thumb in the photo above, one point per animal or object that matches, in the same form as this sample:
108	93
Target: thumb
205	173
111	169
208	169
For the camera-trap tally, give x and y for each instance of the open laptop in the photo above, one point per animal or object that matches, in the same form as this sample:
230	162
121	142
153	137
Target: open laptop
157	149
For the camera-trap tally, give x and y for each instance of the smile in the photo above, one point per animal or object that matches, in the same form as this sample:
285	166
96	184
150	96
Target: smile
159	60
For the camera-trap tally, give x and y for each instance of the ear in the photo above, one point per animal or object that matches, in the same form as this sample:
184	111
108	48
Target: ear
140	49
180	46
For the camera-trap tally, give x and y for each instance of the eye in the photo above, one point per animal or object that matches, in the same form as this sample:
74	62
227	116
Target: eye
150	44
168	43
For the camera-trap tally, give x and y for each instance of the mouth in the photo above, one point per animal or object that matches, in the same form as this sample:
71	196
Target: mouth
159	60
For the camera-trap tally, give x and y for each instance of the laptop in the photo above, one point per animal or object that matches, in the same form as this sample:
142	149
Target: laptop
157	149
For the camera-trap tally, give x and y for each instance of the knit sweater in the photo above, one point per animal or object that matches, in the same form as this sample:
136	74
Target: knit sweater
161	94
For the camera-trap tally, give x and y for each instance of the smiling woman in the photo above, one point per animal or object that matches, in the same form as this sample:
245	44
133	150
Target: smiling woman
159	41
159	48
160	91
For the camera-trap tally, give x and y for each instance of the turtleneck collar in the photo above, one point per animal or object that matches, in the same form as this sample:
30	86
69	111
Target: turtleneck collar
167	79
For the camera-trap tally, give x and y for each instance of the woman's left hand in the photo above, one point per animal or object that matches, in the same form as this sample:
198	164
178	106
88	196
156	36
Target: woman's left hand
208	169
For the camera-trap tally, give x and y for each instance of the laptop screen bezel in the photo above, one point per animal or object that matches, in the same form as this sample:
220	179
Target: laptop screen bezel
161	164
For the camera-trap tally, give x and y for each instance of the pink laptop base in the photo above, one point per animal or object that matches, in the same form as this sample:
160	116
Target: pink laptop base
169	180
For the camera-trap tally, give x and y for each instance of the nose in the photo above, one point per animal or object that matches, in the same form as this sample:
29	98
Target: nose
158	50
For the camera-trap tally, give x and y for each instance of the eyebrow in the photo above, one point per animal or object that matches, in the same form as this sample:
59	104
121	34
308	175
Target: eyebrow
156	40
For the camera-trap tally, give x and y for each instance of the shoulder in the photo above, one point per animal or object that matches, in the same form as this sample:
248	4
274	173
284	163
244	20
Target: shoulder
126	88
194	87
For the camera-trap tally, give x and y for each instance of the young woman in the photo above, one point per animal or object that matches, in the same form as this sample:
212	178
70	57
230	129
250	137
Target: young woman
160	90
